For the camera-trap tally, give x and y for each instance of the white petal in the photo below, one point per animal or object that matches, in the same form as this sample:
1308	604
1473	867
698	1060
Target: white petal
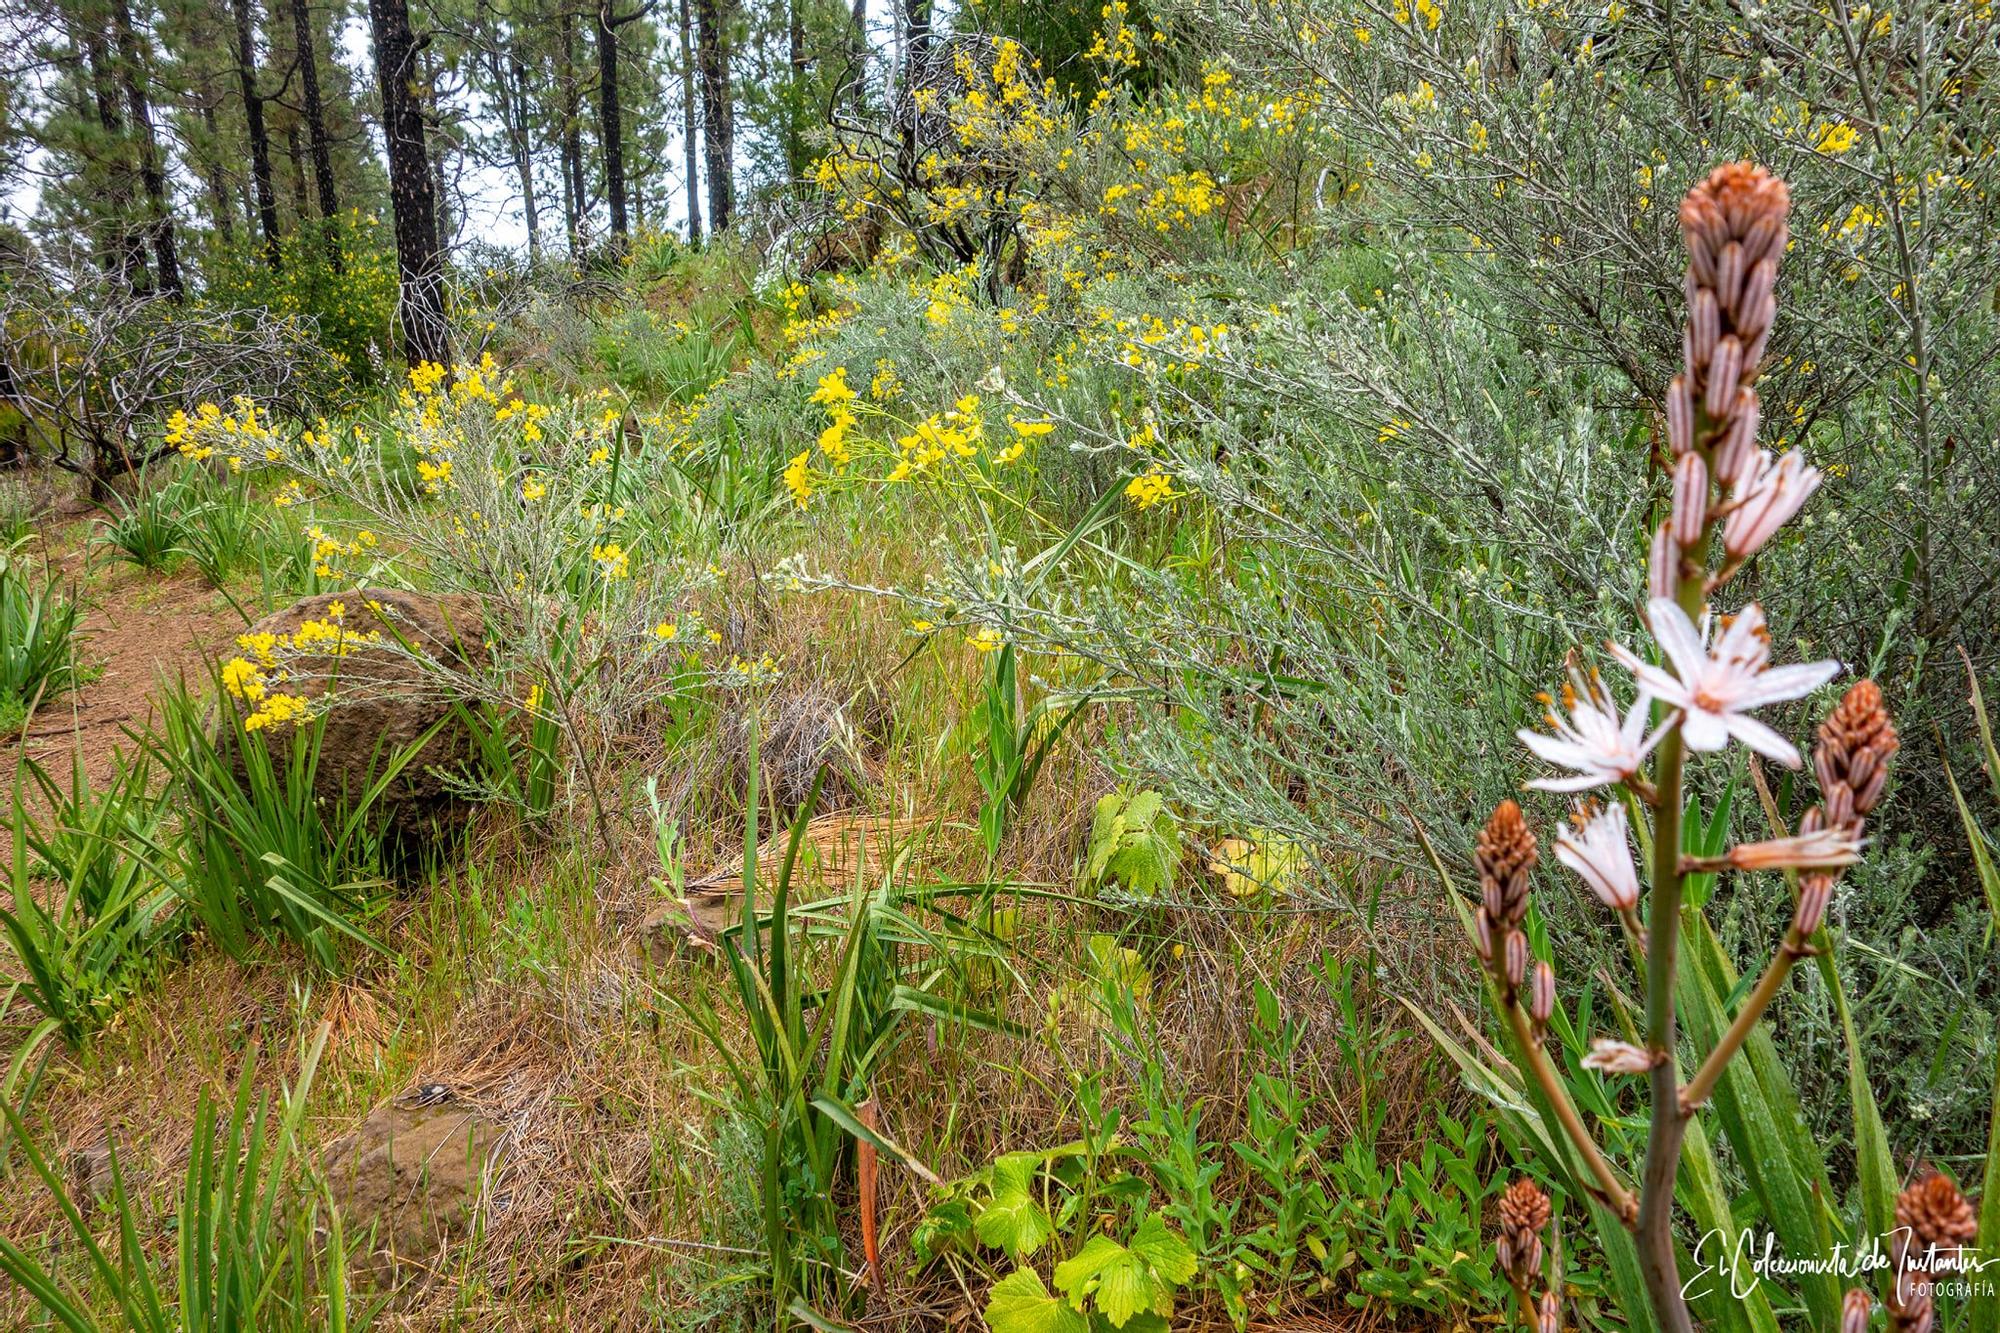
1552	748
1636	718
1677	637
1704	731
1581	783
1651	679
1786	682
1763	740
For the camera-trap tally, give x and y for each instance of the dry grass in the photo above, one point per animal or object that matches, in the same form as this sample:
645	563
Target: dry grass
624	1194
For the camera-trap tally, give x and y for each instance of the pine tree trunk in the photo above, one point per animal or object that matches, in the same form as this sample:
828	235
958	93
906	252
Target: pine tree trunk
859	53
795	99
718	112
221	212
572	138
916	58
419	262
690	128
524	156
126	251
151	174
260	138
610	121
322	150
295	155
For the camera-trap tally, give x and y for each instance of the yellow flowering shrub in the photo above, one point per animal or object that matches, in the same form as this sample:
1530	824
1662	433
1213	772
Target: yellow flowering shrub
544	510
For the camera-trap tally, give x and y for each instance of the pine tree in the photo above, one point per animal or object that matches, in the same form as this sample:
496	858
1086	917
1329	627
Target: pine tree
412	192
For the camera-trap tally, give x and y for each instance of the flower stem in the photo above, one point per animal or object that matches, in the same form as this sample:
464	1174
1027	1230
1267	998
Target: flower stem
1614	1191
1655	1228
1701	1087
1663	1142
1524	1306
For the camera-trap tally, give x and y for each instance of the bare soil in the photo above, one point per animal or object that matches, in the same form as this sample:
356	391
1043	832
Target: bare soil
139	628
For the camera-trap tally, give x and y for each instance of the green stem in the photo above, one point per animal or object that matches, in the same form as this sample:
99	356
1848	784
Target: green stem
1655	1231
1663	1142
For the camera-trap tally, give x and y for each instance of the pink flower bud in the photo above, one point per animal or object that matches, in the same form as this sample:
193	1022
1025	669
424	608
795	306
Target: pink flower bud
1766	237
1738	450
1690	499
1729	277
1663	574
1724	374
1815	891
1542	994
1704	327
1680	415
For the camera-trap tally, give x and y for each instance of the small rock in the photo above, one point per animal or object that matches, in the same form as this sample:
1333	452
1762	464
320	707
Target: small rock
408	1179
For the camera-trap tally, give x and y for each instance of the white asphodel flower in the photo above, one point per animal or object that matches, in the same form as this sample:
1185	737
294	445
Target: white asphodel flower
1714	691
1591	739
1598	847
1776	490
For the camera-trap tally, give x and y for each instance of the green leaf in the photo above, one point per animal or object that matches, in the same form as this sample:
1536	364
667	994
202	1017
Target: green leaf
1126	1288
1134	841
1074	1275
1107	828
1019	1303
1164	1250
1985	1314
1129	1280
1013	1220
1759	1115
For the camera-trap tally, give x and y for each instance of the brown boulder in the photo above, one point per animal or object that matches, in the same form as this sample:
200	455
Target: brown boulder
409	1178
383	698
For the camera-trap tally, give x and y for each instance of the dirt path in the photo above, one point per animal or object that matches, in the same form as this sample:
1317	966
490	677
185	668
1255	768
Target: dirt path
139	627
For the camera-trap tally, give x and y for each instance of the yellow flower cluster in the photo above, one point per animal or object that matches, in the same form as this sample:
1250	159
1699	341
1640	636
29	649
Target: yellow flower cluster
328	551
253	679
834	394
235	434
1151	488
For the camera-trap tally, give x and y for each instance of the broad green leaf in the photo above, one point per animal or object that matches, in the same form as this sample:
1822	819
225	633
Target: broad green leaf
1075	1276
1014	1220
1164	1250
1128	1281
1759	1115
1874	1164
1135	842
1127	1288
1019	1303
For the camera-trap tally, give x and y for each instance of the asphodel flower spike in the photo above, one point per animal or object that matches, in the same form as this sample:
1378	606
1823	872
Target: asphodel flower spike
1727	499
1734	226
